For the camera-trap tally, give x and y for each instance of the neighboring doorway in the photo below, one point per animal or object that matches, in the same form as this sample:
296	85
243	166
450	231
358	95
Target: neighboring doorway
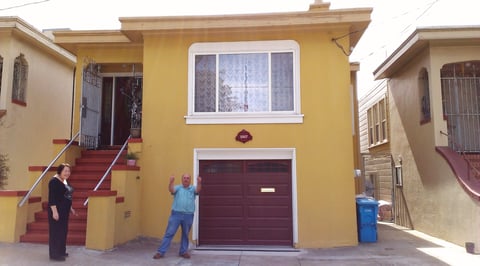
246	202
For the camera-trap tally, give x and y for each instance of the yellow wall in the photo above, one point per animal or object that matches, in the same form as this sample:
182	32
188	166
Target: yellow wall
324	147
323	142
26	133
437	204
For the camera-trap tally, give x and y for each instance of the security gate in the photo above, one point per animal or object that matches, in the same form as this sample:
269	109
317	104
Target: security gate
461	104
90	106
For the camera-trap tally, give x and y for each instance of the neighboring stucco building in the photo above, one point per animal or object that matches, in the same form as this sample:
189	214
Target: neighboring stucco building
434	106
36	90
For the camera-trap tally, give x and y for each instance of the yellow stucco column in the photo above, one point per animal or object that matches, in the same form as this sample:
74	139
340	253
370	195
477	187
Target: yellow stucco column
135	146
69	156
13	219
101	220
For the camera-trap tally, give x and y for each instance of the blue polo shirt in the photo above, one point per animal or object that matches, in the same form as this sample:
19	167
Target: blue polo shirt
184	199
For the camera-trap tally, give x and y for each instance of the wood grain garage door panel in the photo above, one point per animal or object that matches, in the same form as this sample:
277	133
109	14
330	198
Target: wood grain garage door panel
246	203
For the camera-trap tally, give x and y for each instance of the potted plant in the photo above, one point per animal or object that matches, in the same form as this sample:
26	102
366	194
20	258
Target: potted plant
132	159
133	93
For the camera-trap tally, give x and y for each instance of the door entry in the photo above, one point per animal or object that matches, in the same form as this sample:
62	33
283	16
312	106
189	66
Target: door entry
246	202
116	102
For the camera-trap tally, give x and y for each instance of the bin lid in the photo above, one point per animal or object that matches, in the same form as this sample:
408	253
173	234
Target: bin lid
366	201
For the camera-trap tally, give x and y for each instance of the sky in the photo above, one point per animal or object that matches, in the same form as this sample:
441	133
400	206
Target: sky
392	20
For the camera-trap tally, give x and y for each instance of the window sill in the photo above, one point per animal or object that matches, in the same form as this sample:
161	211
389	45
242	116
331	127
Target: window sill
425	121
378	144
24	104
244	119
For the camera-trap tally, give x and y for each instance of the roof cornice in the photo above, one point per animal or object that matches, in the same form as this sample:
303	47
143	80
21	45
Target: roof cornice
421	38
19	27
356	18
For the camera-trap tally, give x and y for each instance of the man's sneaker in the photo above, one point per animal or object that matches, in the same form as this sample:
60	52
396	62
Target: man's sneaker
185	255
157	256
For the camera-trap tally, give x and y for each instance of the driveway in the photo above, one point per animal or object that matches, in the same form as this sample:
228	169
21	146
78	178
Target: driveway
395	246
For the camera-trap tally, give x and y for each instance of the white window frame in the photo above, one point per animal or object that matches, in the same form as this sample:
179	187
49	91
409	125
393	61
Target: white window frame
377	120
280	117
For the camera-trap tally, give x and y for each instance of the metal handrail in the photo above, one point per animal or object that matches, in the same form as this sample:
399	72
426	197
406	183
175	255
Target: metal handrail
24	199
109	168
462	152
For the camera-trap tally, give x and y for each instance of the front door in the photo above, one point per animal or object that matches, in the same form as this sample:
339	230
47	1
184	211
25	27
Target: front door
246	202
116	119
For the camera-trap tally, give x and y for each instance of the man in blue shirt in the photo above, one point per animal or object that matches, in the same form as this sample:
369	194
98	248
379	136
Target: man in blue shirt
183	208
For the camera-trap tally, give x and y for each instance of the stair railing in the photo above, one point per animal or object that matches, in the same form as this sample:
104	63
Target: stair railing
25	198
109	168
462	152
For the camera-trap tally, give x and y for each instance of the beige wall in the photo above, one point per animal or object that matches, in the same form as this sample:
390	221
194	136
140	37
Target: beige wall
437	204
26	132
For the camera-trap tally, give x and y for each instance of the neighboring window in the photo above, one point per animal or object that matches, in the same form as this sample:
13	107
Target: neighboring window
377	123
244	82
20	73
398	176
424	93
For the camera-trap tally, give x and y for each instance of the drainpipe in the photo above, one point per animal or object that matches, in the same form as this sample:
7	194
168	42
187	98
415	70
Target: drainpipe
73	102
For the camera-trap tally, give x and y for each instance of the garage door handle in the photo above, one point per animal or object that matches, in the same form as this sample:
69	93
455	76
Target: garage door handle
267	189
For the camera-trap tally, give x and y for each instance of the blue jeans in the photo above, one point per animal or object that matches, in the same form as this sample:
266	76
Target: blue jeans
185	220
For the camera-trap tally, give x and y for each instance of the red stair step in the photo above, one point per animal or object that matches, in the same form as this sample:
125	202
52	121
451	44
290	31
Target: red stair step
74	226
77	238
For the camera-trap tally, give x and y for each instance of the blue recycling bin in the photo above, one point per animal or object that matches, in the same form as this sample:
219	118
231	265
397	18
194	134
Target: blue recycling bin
367	210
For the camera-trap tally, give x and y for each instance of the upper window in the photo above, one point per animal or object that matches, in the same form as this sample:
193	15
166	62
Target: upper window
424	95
20	73
244	82
377	124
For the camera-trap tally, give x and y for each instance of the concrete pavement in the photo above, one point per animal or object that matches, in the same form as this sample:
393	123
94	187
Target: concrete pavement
395	246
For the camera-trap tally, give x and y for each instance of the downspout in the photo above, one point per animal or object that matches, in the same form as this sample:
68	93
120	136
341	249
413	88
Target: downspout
73	102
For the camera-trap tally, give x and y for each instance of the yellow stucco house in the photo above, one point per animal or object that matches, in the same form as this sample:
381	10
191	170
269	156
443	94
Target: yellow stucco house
260	105
433	97
36	94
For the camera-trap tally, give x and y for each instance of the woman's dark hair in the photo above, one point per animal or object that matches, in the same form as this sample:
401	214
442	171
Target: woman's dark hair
62	166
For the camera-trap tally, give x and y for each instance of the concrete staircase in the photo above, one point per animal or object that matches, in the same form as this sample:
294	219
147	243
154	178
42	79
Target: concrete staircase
86	173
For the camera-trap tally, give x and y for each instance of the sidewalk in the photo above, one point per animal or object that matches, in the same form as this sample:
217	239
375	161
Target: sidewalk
395	246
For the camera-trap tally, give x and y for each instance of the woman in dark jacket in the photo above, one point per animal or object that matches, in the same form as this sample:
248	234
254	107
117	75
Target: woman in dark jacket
59	208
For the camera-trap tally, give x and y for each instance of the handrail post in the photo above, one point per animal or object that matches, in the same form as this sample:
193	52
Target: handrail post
24	199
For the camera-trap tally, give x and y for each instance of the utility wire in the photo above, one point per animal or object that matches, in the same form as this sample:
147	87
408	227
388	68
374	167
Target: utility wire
23	5
427	6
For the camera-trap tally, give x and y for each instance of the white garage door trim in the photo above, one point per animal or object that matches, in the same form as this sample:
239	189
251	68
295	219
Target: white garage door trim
248	154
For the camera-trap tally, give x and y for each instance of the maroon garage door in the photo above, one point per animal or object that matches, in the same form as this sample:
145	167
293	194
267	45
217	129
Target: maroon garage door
246	203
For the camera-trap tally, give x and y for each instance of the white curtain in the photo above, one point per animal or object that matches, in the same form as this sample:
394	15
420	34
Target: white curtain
250	82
